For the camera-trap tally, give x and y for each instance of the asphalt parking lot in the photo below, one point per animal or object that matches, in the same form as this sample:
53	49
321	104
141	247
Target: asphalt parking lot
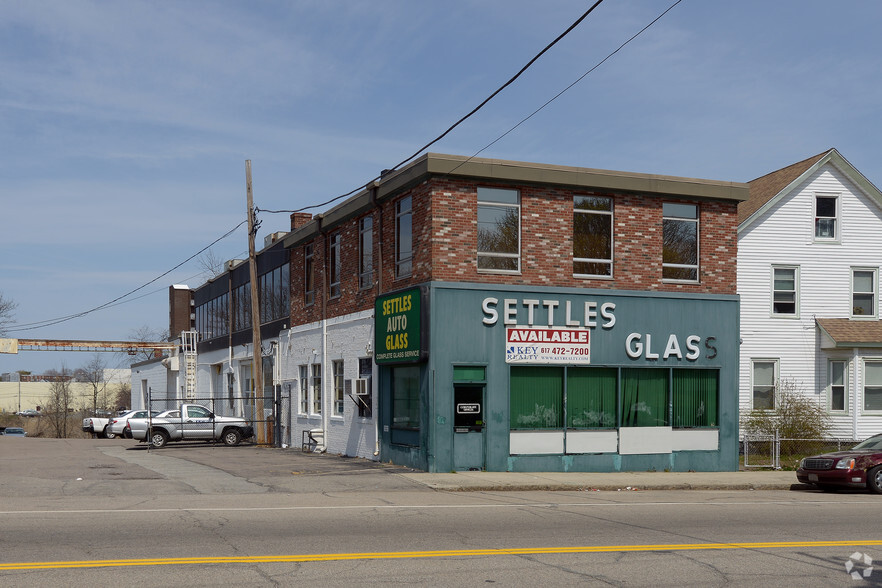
113	467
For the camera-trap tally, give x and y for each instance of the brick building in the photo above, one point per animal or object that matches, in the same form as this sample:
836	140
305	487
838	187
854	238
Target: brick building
466	313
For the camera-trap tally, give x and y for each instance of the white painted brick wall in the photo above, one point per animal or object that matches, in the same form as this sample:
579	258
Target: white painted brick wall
347	339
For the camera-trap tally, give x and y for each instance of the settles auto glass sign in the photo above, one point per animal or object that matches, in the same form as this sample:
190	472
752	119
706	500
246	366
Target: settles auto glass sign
398	327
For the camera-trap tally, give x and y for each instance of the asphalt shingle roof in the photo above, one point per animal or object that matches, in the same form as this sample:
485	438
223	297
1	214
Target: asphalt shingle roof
768	186
852	333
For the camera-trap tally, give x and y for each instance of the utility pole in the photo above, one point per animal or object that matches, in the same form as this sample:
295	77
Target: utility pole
256	355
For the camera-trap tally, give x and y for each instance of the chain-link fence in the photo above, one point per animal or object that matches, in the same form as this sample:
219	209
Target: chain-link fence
771	451
261	413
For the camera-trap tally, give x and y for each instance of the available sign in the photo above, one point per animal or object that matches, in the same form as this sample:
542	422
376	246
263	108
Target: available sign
397	326
547	345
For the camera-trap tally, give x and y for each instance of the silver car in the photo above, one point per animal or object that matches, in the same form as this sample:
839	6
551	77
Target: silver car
117	424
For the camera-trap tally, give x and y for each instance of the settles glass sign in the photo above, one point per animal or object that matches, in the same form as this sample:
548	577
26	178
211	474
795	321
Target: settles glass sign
398	333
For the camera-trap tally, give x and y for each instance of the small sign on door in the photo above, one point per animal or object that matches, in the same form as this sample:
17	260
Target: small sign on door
468	408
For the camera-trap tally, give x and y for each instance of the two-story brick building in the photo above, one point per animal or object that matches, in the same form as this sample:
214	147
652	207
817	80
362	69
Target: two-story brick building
473	313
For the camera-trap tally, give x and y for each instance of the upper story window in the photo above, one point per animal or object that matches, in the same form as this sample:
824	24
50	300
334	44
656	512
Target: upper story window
785	291
308	275
826	217
366	253
592	236
334	265
499	230
680	242
403	238
863	292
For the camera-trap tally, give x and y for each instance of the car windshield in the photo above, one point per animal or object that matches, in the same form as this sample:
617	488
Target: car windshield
874	442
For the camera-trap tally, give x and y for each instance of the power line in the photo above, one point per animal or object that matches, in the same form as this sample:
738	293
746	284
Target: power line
457	123
562	92
55	321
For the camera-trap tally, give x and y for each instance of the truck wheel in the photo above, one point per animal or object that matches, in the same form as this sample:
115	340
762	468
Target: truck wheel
874	479
232	437
108	434
158	438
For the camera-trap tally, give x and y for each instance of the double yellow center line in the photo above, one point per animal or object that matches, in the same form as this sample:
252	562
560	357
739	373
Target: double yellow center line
100	563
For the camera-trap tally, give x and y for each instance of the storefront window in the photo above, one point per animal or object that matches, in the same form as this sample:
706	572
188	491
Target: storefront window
406	397
644	397
695	398
591	398
536	397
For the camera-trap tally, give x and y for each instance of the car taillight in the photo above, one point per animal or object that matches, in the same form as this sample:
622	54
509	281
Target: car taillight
845	464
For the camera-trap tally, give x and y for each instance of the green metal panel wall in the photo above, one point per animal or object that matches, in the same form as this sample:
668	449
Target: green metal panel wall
658	322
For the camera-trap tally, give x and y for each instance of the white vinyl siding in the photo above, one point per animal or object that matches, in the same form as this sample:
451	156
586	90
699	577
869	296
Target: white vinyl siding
783	236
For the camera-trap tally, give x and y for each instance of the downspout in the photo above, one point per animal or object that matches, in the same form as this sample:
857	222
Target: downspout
375	382
854	394
323	407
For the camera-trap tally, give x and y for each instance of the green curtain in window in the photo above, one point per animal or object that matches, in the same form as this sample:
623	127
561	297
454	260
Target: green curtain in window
591	398
696	398
536	397
644	397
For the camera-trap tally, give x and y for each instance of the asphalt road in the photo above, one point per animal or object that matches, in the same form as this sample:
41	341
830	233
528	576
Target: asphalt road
108	513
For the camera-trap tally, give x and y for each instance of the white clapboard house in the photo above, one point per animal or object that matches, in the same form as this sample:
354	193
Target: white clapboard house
809	264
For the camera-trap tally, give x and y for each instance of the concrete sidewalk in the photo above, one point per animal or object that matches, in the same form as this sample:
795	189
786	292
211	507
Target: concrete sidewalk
507	481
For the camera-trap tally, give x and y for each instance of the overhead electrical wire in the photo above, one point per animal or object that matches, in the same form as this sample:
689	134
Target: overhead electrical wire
511	80
55	321
562	92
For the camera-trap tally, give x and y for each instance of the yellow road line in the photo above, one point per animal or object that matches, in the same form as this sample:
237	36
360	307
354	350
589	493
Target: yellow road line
100	563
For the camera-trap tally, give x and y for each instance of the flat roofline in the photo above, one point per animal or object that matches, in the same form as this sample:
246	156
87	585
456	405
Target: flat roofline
520	172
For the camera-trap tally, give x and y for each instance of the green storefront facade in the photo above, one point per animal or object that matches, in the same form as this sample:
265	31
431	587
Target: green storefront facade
511	378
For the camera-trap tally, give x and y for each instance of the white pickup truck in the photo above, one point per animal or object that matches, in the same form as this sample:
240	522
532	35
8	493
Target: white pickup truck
97	426
193	422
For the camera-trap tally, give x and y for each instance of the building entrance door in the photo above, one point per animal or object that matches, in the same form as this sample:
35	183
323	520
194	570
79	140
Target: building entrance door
468	427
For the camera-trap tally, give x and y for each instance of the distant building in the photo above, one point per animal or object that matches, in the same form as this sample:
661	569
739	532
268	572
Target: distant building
809	258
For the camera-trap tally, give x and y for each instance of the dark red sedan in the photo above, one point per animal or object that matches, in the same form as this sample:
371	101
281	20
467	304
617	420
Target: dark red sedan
858	467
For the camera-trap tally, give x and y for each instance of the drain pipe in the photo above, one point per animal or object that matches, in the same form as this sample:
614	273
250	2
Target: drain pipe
375	382
325	420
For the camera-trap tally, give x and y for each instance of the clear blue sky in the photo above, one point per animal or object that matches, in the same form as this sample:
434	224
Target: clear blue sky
126	125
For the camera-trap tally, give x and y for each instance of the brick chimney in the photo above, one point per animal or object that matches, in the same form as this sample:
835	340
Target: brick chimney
181	314
298	219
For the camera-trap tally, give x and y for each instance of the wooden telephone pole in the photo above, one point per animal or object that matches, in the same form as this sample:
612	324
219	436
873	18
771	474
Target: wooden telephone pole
257	356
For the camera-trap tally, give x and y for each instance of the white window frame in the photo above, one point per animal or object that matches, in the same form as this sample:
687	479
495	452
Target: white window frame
775	378
864	409
875	293
610	216
697	266
837	220
335	264
315	389
366	252
497	255
772	290
308	274
303	405
339	386
845	392
403	260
